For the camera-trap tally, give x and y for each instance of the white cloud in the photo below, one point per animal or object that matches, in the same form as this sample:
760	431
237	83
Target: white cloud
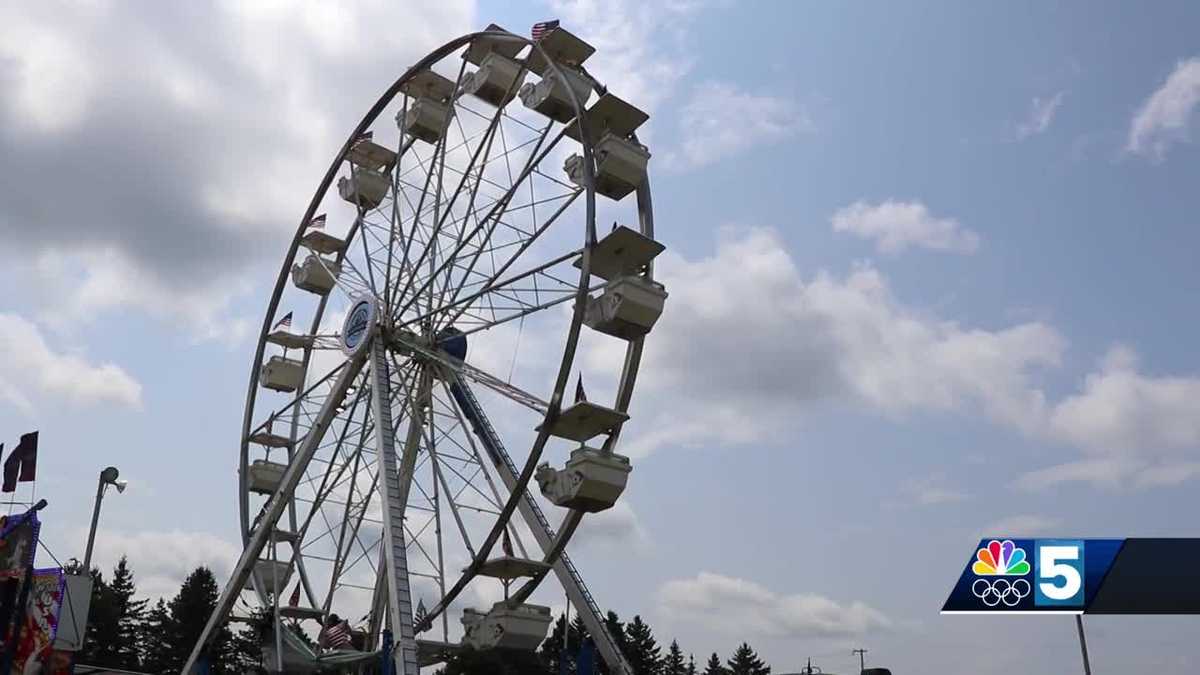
1164	118
1041	115
640	46
94	282
1137	430
800	342
1026	525
1106	471
161	560
29	367
720	120
616	529
896	225
195	139
932	490
1122	409
746	609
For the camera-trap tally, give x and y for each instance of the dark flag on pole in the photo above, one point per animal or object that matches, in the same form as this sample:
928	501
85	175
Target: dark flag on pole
421	611
580	397
21	465
541	28
507	544
295	599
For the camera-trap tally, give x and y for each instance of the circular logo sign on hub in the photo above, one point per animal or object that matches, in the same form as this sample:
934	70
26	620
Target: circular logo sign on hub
360	323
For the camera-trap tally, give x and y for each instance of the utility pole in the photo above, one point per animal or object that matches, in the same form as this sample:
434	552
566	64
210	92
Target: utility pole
862	658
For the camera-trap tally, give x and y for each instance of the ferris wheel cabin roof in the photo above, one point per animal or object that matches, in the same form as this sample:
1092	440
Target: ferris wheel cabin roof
510	567
622	252
610	114
584	421
289	340
481	47
319	241
371	155
428	84
562	46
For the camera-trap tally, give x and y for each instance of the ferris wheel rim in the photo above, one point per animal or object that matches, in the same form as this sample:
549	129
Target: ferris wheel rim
633	351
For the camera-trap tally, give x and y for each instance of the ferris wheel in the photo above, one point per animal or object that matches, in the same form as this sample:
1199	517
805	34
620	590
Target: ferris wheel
418	447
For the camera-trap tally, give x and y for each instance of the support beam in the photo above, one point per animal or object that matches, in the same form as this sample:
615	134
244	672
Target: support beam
394	482
259	538
568	575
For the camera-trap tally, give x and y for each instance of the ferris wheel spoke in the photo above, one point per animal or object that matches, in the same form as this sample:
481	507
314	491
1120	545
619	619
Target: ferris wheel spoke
492	497
311	393
521	244
493	215
481	376
482	149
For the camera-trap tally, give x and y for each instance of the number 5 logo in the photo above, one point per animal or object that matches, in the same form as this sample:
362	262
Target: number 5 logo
1059	567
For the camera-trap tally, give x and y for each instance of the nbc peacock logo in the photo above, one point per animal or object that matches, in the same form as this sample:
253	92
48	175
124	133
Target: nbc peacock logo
1000	559
995	566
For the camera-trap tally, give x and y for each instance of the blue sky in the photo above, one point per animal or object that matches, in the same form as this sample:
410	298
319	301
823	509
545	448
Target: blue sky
931	270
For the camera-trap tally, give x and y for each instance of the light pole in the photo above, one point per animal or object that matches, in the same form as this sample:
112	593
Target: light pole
109	476
1087	664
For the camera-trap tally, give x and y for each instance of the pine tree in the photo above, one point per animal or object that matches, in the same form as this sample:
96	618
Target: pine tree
714	666
128	614
612	623
746	662
642	650
674	664
552	648
578	630
190	610
158	639
691	669
102	636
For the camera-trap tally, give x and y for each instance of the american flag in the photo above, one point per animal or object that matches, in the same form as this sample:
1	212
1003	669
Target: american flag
285	322
363	138
336	636
541	28
295	599
580	397
317	223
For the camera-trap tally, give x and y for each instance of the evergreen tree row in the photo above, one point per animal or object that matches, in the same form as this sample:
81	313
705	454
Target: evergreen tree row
126	633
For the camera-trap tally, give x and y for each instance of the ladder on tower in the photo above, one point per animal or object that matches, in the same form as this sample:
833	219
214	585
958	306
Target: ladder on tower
394	499
568	574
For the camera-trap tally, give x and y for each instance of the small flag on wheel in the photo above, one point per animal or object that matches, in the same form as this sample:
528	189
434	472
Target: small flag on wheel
580	397
285	322
363	138
295	599
541	28
21	465
317	223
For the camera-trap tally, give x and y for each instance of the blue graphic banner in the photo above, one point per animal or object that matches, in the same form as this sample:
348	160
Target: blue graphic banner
1077	576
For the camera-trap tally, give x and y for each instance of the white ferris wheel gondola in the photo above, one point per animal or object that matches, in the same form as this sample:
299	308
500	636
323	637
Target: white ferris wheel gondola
371	472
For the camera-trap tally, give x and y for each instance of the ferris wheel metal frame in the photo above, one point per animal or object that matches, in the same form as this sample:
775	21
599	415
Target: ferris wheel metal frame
404	364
